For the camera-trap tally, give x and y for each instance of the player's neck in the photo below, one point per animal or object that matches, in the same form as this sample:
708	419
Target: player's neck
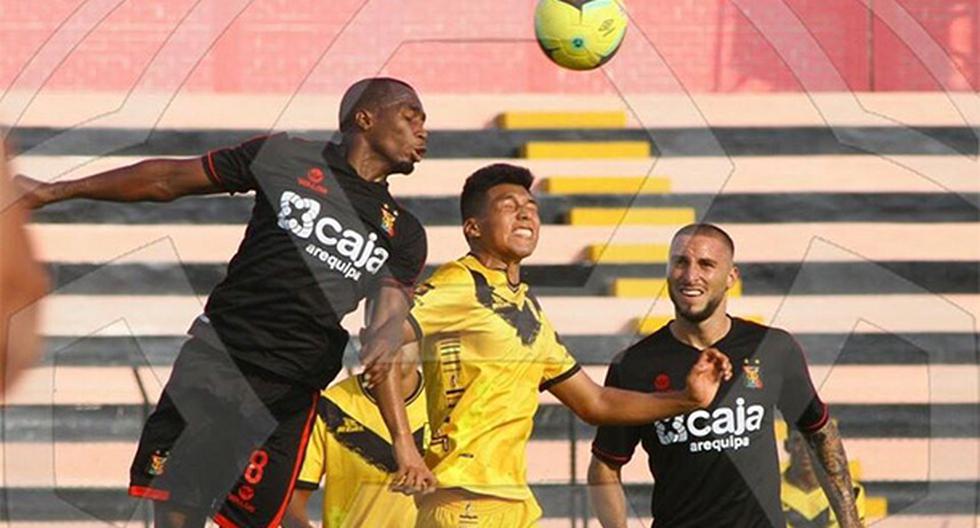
703	334
510	267
368	165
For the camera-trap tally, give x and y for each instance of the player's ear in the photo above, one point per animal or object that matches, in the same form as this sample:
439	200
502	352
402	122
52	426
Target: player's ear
364	119
471	228
733	277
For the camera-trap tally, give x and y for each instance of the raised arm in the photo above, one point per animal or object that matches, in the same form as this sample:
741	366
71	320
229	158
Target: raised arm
600	405
606	493
155	180
833	473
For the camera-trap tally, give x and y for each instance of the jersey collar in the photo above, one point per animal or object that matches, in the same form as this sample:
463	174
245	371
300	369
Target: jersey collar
496	278
335	154
419	385
722	339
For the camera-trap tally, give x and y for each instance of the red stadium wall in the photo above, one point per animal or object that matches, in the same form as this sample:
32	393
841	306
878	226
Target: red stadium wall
476	46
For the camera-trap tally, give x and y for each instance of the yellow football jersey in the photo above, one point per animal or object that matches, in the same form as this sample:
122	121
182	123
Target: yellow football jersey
350	448
487	350
810	509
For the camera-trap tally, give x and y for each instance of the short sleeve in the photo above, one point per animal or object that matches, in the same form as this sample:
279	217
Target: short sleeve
798	399
615	444
442	303
405	266
559	365
315	460
230	168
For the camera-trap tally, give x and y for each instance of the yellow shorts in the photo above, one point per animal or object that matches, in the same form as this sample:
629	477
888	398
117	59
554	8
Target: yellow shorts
456	508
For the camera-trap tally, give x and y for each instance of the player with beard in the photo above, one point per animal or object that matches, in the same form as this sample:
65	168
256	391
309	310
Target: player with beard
228	435
717	466
488	349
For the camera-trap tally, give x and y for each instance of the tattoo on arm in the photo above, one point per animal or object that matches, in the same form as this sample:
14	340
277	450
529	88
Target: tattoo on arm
834	474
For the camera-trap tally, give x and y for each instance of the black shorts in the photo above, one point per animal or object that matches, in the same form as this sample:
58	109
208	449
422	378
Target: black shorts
225	437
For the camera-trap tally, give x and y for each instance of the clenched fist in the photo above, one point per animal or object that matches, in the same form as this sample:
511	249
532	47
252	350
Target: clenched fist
704	378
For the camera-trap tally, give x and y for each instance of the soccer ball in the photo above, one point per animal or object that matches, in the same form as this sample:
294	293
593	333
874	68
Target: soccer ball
580	34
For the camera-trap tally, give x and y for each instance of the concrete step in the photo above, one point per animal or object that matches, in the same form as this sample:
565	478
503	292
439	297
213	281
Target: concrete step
853	173
788	243
84	315
821	349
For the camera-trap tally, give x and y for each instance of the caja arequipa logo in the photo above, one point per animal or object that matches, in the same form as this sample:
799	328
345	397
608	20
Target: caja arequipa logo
350	251
716	430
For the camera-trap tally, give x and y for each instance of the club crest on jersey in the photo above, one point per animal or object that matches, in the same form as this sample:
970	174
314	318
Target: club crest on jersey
313	180
388	218
661	382
158	462
753	374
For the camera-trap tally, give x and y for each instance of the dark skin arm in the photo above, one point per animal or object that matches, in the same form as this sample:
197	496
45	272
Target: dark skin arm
833	473
296	516
600	405
379	350
155	180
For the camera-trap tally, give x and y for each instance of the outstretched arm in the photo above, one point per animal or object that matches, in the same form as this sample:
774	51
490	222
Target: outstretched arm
833	473
606	492
600	405
155	180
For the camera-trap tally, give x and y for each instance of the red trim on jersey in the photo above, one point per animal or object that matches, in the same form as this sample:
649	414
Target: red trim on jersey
216	178
824	418
825	415
224	522
146	492
609	457
300	455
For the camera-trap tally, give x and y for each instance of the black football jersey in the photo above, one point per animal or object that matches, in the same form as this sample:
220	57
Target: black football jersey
320	239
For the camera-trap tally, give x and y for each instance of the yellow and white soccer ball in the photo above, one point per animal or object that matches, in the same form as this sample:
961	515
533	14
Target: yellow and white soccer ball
580	34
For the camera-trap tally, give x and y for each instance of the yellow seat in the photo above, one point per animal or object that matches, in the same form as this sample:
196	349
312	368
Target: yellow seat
586	149
640	288
875	507
524	120
593	216
652	323
607	185
853	465
628	253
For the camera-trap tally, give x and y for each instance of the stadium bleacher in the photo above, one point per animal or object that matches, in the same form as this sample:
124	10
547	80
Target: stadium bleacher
874	270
